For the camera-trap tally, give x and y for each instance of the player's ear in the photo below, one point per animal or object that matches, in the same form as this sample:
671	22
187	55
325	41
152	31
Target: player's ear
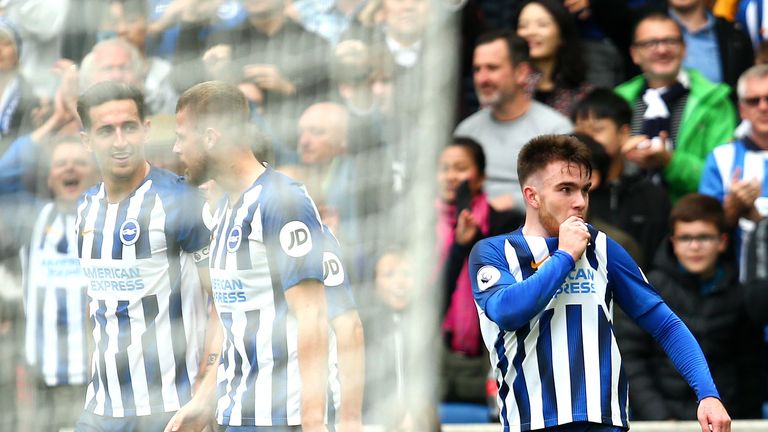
531	196
212	137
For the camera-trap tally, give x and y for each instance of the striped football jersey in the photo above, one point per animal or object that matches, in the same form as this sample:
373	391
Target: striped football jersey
564	364
750	162
339	298
146	301
266	242
55	300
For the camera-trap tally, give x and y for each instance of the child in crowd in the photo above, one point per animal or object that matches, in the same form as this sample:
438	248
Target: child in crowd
695	275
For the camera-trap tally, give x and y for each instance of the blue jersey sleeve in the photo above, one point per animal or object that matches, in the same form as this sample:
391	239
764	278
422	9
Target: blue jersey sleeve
681	347
631	289
338	292
507	302
293	235
191	232
711	182
643	304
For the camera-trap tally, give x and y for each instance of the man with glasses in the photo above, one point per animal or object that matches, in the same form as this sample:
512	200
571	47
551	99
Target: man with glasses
697	280
678	116
735	173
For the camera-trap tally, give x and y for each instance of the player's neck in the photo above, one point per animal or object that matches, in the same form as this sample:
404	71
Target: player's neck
120	189
238	174
533	227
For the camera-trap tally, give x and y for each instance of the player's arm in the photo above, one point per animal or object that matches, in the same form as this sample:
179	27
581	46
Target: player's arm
306	301
512	304
350	347
507	302
196	414
638	300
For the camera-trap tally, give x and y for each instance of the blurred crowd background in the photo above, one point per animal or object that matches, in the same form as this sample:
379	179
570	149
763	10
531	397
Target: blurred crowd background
403	119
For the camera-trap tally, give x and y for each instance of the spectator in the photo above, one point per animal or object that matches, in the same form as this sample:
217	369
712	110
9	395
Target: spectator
54	288
750	16
128	19
718	49
111	60
363	86
17	98
678	116
386	321
165	17
621	198
278	63
761	53
509	117
41	24
556	53
323	166
756	273
464	216
735	173
328	18
696	278
603	28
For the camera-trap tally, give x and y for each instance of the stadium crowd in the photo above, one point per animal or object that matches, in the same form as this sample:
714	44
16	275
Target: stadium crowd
670	96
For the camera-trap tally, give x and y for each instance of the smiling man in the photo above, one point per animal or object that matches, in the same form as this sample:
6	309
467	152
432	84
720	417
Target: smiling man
509	117
678	116
735	173
140	240
545	294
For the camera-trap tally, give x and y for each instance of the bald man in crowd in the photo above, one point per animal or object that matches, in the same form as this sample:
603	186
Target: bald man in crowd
324	166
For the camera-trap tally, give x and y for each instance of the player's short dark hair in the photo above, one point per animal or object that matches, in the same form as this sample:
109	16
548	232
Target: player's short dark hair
107	91
601	162
602	103
698	207
517	47
218	101
474	149
544	149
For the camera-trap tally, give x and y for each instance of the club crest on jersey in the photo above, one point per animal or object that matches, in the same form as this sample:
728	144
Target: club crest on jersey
333	272
234	238
129	232
487	277
295	239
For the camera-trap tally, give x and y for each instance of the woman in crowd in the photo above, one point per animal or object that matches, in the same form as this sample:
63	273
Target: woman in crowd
464	217
556	53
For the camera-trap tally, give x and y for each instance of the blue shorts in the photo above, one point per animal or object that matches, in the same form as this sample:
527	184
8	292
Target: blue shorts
90	422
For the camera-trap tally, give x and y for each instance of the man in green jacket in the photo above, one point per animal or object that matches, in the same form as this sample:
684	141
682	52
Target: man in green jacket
677	115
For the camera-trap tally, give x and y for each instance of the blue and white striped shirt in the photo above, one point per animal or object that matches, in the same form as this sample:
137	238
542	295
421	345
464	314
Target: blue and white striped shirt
340	300
266	242
146	301
55	300
547	323
751	162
